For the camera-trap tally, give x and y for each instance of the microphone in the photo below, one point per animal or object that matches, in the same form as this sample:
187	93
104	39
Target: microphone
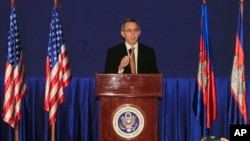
130	51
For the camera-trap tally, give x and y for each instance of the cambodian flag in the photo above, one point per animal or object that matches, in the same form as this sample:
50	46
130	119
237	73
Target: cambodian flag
238	105
205	100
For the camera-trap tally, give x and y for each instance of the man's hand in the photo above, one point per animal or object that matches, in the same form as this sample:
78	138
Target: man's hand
124	62
223	139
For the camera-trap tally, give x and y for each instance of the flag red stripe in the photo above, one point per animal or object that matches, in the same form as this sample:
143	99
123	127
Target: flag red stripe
239	52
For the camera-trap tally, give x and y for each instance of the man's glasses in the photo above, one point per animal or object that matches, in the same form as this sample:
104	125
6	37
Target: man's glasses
131	30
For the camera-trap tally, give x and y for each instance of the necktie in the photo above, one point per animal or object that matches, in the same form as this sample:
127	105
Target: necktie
132	60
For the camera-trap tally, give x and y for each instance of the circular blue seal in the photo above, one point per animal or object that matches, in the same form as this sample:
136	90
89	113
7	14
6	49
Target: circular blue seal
128	121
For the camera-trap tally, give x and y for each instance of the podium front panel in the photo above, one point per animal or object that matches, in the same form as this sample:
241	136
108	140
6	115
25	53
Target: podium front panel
128	106
109	106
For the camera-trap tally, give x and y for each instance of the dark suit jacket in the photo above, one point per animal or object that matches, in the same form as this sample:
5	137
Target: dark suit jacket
146	59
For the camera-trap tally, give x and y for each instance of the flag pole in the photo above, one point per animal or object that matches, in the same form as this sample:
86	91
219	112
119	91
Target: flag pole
12	3
16	132
208	130
53	124
53	132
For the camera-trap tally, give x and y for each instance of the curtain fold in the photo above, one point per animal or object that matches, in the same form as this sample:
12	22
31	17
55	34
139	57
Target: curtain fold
78	116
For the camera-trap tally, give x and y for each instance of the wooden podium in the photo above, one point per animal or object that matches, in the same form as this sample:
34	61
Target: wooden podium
128	106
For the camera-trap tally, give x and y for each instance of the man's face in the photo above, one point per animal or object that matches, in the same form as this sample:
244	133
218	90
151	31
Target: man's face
131	33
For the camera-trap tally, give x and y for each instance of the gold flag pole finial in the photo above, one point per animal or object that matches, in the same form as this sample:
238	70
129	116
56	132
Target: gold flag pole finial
241	1
55	3
12	3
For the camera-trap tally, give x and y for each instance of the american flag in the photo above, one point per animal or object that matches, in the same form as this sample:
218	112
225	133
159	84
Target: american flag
238	105
14	82
58	74
205	100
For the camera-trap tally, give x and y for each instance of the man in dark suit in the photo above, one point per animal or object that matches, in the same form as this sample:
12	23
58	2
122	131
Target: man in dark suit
119	57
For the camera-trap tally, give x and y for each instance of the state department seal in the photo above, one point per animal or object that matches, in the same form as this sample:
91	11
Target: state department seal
128	121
